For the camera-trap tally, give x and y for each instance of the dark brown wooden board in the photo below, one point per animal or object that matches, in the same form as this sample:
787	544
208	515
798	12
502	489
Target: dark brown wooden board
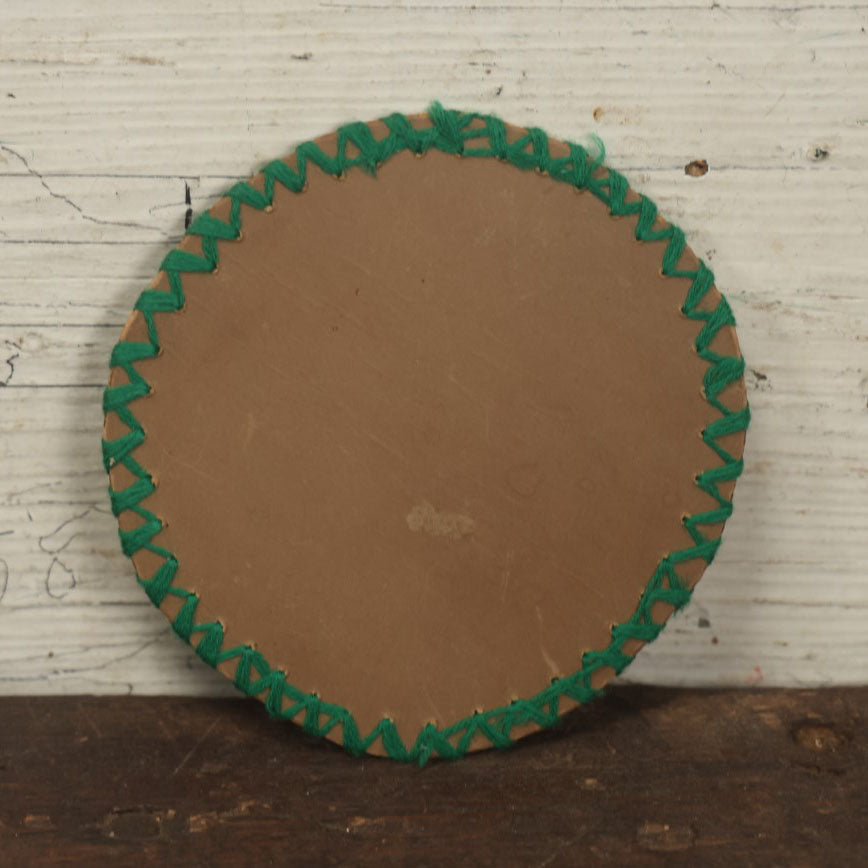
648	776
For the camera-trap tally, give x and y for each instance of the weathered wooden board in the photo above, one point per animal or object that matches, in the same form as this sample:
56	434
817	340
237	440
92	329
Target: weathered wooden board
649	776
111	112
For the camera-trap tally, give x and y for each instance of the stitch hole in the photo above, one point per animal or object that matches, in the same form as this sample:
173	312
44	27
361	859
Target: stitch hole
268	209
239	236
418	154
215	269
685	517
660	272
341	176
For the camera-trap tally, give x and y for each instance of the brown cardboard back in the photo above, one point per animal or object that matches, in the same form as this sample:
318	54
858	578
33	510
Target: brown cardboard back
423	438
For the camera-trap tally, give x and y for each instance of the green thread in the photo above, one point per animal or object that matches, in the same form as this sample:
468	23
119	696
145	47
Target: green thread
469	135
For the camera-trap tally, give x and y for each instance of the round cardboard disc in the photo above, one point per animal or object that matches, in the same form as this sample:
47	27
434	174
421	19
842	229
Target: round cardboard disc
420	434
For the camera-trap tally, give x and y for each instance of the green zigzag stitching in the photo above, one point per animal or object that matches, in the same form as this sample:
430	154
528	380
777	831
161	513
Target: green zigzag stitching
468	135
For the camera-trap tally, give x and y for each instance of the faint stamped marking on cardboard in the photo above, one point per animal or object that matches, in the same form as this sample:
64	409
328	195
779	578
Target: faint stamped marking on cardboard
424	517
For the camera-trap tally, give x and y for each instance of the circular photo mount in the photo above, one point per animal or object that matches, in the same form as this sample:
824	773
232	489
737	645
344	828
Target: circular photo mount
421	433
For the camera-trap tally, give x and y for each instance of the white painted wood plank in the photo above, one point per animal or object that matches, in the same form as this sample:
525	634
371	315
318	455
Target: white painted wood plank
109	111
756	87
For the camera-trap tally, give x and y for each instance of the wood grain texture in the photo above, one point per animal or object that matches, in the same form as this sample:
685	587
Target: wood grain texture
112	112
647	777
